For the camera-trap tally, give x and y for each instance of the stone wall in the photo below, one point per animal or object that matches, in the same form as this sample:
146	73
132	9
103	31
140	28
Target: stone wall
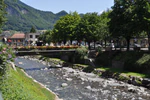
117	64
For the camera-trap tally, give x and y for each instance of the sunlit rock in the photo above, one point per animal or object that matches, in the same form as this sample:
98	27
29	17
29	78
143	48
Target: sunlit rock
64	84
20	63
88	87
68	79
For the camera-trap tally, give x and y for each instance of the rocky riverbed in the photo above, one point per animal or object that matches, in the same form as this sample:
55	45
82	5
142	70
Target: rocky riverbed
72	84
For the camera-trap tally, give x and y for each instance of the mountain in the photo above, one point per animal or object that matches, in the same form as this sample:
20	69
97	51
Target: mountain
21	17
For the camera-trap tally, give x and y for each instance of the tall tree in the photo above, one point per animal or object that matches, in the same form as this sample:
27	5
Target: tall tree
88	27
46	37
103	30
142	17
122	20
2	14
33	30
64	29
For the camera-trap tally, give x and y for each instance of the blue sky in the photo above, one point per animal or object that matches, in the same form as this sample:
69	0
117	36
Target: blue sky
81	6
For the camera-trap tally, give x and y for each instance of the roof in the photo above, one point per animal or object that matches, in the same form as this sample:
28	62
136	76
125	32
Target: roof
18	36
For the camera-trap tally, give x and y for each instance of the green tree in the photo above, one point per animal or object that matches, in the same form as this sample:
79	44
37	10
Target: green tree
88	27
2	14
46	37
122	22
33	30
64	29
142	17
103	30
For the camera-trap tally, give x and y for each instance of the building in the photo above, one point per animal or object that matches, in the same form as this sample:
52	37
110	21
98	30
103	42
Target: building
17	39
32	38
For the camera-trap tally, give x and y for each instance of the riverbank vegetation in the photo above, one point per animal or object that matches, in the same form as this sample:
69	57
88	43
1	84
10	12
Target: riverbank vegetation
14	84
129	61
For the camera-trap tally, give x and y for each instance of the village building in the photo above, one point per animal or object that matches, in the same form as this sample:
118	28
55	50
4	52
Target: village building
17	39
32	38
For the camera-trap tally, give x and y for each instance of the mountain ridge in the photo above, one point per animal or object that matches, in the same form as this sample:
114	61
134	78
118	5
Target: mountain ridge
21	17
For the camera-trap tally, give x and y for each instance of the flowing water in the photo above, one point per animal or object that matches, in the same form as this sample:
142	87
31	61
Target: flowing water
71	84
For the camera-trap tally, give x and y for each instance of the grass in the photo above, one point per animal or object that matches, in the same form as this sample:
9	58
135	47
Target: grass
17	86
115	70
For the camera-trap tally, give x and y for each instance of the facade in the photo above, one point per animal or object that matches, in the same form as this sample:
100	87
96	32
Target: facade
32	38
17	39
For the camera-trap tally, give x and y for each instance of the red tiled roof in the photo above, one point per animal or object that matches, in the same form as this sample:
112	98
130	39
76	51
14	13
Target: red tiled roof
18	36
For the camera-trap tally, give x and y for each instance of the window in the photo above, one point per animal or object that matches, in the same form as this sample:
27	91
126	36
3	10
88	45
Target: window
31	36
36	36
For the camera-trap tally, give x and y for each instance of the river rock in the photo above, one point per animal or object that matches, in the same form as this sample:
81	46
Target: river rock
131	89
146	81
64	84
45	68
88	87
20	63
68	79
58	66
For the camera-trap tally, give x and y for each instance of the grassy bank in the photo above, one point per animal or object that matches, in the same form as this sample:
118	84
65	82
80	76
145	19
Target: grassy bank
127	73
15	85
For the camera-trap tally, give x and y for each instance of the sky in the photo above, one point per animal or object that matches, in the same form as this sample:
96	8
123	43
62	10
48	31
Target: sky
81	6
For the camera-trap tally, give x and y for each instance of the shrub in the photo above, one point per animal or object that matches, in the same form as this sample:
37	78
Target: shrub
6	54
81	54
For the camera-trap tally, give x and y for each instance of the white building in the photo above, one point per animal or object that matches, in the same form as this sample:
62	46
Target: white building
32	37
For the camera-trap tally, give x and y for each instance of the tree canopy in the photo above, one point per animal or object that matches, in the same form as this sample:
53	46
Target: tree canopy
125	19
64	29
33	30
88	27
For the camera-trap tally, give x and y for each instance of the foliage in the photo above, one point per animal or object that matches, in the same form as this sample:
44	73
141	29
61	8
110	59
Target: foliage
15	85
33	30
65	27
46	37
88	27
22	17
81	54
142	17
6	54
122	20
103	30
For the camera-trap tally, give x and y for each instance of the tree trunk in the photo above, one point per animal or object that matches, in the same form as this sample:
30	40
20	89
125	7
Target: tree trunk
128	43
105	43
89	46
148	41
71	42
64	42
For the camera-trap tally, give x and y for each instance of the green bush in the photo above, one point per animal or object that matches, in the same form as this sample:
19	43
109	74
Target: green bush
81	54
6	54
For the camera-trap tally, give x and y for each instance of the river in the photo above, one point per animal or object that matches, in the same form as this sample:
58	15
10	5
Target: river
72	84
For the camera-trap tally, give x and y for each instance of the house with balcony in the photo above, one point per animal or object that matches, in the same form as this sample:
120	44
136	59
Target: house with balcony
32	38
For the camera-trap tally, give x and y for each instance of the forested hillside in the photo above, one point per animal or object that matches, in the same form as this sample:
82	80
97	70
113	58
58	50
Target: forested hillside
21	17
